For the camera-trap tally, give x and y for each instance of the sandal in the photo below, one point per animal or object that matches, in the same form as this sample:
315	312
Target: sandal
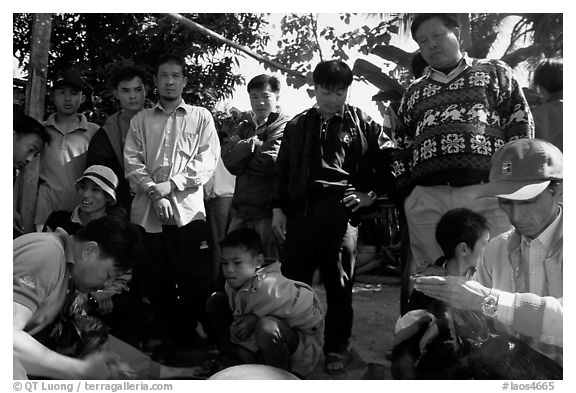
336	363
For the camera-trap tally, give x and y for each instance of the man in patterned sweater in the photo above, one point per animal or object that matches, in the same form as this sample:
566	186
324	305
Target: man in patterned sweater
452	120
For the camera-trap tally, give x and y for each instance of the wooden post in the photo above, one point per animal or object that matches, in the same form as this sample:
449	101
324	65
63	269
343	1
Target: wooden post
34	107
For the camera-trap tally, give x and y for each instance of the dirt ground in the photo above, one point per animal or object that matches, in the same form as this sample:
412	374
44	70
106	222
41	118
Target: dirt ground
376	302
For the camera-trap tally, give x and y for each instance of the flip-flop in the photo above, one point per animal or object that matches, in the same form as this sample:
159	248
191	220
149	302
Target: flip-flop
336	363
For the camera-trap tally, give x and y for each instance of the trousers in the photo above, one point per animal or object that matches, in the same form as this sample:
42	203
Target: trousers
324	239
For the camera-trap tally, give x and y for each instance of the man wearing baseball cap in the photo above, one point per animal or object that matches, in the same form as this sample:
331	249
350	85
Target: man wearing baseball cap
64	160
518	284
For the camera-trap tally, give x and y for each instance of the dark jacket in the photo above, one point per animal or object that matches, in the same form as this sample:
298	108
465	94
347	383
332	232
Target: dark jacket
253	165
300	151
106	148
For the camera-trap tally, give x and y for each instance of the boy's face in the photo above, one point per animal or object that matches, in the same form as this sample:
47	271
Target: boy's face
131	94
239	265
92	198
67	99
25	148
170	81
263	102
474	257
331	100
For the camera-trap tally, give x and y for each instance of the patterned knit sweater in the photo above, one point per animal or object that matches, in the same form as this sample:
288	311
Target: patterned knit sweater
448	131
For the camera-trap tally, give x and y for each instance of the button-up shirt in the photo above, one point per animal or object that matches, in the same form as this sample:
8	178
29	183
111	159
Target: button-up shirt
62	163
181	146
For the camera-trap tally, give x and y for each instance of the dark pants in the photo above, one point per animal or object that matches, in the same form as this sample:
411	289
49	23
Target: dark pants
218	217
180	277
275	340
325	239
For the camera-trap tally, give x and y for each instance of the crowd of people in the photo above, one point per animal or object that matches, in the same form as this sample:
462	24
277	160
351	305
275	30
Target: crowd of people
156	231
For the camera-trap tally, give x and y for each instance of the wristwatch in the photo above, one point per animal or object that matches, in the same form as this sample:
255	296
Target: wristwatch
490	305
372	195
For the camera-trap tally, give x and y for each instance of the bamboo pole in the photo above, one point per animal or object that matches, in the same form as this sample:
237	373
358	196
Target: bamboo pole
34	107
203	30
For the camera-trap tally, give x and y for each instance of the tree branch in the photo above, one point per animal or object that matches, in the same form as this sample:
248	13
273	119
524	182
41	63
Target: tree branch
203	30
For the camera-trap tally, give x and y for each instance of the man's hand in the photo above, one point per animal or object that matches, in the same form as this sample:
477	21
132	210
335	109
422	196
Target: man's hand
164	210
104	300
355	200
343	276
458	292
160	190
279	223
243	326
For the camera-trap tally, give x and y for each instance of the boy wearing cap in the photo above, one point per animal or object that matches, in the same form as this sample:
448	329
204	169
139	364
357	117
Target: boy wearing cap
63	161
97	191
518	284
107	145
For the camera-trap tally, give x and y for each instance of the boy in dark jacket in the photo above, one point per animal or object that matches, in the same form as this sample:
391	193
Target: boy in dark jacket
326	172
250	155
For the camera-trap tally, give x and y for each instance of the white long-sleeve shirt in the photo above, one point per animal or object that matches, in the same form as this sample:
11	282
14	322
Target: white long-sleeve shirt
181	146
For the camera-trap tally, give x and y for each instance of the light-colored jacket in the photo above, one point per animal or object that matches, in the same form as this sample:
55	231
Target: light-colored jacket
536	316
271	294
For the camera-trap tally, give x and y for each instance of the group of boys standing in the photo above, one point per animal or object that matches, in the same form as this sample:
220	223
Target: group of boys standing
300	185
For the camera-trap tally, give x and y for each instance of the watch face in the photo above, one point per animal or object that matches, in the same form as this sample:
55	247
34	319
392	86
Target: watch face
490	306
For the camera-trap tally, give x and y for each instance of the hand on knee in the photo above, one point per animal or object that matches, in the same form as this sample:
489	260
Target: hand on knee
267	332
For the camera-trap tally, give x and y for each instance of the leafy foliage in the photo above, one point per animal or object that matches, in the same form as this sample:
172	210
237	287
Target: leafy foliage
303	43
94	44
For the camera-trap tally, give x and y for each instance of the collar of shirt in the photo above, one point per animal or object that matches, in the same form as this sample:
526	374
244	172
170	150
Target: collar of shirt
182	105
67	243
340	113
76	216
83	125
258	125
545	238
464	63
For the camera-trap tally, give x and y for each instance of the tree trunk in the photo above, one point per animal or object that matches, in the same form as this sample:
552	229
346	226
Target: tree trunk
34	107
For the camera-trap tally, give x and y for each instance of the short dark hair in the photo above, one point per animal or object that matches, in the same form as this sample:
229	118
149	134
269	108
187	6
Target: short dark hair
450	20
457	226
126	73
549	75
332	74
245	237
260	82
170	58
117	238
26	125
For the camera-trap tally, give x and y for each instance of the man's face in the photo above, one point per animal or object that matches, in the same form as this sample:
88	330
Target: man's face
438	44
475	255
92	269
330	100
170	81
530	217
131	94
67	99
25	148
238	265
263	102
92	198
